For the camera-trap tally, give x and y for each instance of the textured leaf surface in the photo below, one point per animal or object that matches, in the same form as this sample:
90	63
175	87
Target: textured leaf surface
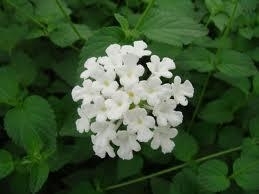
167	27
246	173
32	125
212	175
38	175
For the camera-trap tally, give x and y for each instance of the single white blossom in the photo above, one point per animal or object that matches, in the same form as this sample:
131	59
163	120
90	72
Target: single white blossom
162	68
162	138
138	121
83	123
86	93
101	150
130	72
166	114
117	105
137	49
180	91
93	69
133	93
106	83
152	90
127	142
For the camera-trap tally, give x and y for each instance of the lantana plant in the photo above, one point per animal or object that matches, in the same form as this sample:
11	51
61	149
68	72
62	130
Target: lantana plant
124	101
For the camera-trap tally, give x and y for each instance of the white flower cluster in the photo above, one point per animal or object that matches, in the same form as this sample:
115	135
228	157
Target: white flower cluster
125	103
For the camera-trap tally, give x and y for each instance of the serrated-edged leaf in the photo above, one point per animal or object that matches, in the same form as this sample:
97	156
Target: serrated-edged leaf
167	27
214	6
9	87
212	175
242	83
122	21
236	64
6	163
250	148
128	168
160	186
25	69
196	58
64	35
254	126
38	175
32	125
246	173
220	20
186	146
99	41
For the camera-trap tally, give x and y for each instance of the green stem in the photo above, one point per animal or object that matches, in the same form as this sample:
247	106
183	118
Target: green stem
69	21
172	169
142	17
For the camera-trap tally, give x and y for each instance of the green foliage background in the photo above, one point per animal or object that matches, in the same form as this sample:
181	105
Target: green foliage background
43	44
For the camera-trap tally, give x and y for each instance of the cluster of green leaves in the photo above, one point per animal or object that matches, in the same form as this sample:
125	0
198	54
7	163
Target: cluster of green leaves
43	45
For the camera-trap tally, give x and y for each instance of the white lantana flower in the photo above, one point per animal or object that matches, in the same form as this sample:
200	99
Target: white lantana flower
153	91
181	90
127	142
162	137
82	124
166	114
162	68
86	93
130	72
106	83
138	121
117	105
123	105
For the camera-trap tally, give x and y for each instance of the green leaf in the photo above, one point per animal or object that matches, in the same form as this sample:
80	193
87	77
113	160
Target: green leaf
129	168
212	175
38	175
167	27
254	126
183	178
246	173
84	188
214	6
196	58
256	84
160	186
220	20
185	147
9	88
182	8
25	70
64	35
11	36
32	125
222	109
229	137
250	148
217	111
122	21
99	41
6	163
48	12
242	83
236	64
